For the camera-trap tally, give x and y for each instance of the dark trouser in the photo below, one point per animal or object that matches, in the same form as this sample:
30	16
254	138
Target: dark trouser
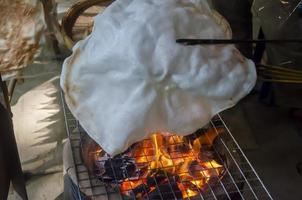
4	177
238	13
10	167
4	171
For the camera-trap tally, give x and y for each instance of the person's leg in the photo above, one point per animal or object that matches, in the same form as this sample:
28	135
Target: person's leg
10	153
238	14
4	177
4	171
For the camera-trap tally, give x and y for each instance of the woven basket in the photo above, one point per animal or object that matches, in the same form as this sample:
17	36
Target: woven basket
71	16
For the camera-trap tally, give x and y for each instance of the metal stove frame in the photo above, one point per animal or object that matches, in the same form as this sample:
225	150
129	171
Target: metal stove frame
95	189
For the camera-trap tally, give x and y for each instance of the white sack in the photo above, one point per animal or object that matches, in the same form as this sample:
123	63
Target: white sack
130	78
21	27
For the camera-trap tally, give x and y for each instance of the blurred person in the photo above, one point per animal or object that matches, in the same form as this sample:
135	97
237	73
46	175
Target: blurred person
278	20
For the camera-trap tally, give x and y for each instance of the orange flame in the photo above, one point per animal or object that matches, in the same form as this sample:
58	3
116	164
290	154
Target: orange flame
157	155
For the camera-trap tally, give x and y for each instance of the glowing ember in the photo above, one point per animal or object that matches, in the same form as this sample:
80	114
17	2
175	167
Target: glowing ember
163	159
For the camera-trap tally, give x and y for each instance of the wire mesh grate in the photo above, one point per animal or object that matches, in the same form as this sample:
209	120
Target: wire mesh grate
237	181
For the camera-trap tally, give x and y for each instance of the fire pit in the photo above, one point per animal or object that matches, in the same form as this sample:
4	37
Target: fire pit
165	165
207	164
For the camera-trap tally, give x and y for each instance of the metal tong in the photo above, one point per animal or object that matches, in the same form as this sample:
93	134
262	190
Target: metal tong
191	42
266	73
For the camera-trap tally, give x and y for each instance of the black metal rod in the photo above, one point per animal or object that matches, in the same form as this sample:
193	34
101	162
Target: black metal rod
232	41
3	88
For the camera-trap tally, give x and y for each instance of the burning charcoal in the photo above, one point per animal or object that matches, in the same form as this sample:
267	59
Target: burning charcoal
152	181
183	148
129	150
190	138
217	123
207	153
220	152
195	168
140	190
156	179
120	168
159	177
165	191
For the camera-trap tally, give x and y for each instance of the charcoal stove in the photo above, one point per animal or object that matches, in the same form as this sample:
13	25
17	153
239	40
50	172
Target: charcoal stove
234	176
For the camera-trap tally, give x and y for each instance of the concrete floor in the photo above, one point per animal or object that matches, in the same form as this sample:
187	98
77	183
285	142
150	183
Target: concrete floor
39	128
272	141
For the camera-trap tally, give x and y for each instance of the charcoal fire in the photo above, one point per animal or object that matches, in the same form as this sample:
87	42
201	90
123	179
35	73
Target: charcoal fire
164	166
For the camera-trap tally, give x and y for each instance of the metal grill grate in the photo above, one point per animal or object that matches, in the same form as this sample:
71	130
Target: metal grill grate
240	181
